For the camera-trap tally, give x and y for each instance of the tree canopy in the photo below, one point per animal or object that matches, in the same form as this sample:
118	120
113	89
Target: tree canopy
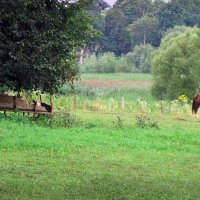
38	40
176	65
146	22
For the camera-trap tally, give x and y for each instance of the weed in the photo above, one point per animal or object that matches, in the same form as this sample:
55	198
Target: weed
144	122
118	123
62	119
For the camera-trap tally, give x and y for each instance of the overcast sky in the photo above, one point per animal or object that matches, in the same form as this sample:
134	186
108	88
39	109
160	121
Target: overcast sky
110	2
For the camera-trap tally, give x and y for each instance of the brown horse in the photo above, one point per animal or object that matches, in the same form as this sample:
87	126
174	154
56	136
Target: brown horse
195	104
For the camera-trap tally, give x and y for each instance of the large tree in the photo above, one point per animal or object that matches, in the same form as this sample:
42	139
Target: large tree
134	9
176	65
116	38
144	30
38	41
178	12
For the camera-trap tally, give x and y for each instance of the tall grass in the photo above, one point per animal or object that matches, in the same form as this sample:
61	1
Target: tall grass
117	76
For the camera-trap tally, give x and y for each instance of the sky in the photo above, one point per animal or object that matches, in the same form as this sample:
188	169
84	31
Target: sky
110	2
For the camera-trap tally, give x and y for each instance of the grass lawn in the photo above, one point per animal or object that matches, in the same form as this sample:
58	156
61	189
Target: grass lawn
100	162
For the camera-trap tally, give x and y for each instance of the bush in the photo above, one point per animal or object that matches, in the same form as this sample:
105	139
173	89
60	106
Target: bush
144	122
118	123
62	119
123	65
105	63
140	58
89	65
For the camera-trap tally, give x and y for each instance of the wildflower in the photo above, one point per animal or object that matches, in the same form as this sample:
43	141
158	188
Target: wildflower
183	98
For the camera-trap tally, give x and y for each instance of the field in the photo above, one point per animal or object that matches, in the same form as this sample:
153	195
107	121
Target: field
117	80
116	143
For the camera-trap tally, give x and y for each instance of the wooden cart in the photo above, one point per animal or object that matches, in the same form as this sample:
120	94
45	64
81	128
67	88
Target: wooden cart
17	104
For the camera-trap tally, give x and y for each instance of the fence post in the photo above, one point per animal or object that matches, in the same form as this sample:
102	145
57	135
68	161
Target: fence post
122	103
75	101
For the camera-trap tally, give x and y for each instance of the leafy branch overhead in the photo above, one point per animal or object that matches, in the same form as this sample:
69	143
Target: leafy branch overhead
38	40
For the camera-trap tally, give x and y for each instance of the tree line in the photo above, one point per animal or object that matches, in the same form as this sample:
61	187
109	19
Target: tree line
133	22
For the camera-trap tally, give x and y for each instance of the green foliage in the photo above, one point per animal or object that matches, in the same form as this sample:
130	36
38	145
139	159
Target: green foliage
174	32
146	20
124	65
177	13
116	38
169	15
89	65
38	40
137	61
176	66
144	30
95	7
140	58
134	9
105	63
62	119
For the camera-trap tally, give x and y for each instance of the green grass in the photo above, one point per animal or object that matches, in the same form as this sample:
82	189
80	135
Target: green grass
117	76
99	162
95	159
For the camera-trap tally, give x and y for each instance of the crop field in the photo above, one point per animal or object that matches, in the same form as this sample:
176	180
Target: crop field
107	142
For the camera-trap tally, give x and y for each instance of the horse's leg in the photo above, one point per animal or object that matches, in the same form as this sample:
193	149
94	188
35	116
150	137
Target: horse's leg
197	116
196	107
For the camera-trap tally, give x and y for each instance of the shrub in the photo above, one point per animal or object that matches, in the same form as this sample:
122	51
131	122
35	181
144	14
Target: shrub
105	63
62	119
123	65
118	123
144	122
140	58
89	65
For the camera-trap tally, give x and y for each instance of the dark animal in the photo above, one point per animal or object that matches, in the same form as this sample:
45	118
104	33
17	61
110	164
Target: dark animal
48	107
195	104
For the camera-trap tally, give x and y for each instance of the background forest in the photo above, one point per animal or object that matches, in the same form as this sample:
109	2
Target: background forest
136	36
134	22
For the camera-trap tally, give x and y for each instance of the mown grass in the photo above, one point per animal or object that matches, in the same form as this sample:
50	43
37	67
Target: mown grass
117	76
99	161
